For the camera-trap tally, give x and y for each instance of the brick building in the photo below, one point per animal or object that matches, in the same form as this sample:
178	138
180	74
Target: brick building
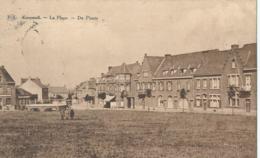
118	84
7	90
201	80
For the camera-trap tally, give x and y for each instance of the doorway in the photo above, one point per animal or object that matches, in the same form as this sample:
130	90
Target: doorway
248	105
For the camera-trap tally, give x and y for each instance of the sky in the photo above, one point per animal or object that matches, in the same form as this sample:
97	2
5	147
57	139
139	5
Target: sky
67	52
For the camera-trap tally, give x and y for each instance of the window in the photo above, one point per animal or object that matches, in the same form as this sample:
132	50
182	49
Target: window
233	64
145	74
214	83
127	88
160	101
198	84
169	85
214	101
172	72
145	85
233	80
188	85
248	80
178	85
138	86
184	70
204	83
161	86
234	102
198	101
165	73
127	77
0	78
8	101
148	85
153	86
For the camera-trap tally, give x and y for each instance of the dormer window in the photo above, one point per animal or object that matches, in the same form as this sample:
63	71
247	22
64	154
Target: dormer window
165	72
183	70
233	64
193	70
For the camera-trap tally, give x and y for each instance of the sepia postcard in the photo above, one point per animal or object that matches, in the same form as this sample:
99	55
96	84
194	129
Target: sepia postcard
128	79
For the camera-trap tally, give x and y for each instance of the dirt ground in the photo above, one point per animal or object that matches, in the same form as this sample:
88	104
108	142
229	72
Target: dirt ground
126	134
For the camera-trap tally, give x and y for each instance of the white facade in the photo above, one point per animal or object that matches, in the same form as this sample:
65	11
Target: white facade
33	88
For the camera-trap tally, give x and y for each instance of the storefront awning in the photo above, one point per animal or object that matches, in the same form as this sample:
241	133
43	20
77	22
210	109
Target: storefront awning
109	98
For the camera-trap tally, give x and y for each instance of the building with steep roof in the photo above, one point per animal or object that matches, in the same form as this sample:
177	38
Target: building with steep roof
7	89
204	77
24	98
118	83
35	87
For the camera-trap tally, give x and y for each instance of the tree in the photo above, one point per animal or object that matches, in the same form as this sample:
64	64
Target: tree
70	96
102	95
141	96
88	98
231	91
231	94
124	94
148	93
59	97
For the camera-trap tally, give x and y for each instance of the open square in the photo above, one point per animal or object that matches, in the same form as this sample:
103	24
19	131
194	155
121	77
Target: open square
112	133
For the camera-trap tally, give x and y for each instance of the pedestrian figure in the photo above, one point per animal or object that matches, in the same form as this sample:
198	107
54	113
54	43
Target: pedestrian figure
67	113
62	113
72	114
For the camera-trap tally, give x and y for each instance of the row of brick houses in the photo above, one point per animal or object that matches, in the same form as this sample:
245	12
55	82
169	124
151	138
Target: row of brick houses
211	80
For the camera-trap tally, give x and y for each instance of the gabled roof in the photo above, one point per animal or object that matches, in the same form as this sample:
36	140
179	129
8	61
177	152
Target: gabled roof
58	90
35	80
22	92
124	69
5	75
213	63
210	62
248	55
82	85
154	62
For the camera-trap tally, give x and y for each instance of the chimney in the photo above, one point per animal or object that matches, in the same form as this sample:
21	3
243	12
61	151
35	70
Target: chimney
109	68
102	74
23	80
145	54
234	46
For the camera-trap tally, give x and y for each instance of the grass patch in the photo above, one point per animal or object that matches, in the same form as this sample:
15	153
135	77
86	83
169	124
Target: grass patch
125	134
